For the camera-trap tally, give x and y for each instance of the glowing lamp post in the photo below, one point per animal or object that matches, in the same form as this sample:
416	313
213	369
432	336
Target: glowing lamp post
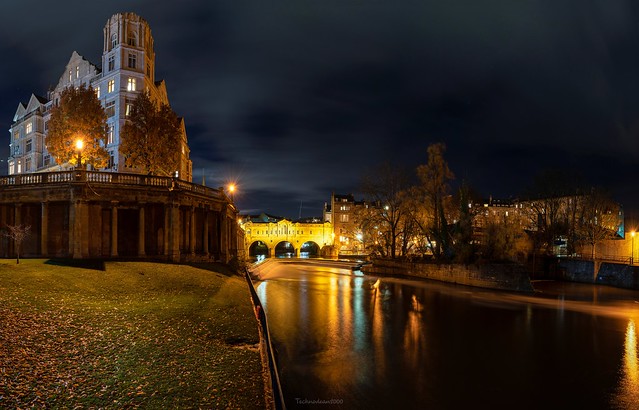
232	191
79	144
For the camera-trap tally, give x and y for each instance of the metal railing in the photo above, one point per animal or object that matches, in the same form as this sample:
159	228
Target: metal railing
278	396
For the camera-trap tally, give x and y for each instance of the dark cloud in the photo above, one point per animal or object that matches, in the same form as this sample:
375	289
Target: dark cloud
295	99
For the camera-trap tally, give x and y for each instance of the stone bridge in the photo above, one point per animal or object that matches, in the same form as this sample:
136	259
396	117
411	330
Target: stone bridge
275	237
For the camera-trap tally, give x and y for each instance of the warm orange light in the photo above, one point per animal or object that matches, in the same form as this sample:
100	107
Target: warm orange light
232	188
632	233
79	144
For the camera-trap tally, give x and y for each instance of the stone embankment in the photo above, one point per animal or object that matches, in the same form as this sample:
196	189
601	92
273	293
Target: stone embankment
601	273
492	276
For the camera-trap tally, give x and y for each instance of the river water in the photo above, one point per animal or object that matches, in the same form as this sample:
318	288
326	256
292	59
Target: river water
345	340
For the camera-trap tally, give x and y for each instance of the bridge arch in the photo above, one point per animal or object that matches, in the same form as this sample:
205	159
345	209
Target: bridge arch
285	249
258	250
309	249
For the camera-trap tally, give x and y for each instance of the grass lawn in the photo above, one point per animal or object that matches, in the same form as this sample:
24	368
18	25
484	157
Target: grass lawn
133	334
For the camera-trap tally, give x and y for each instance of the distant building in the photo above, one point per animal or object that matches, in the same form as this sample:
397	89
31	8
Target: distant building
128	68
342	212
269	236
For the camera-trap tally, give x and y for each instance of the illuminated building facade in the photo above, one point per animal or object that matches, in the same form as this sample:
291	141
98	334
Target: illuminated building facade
128	68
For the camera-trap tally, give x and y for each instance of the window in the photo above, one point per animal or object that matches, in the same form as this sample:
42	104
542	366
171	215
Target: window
129	109
132	40
111	63
46	126
29	127
97	92
110	135
16	134
77	71
132	60
343	218
70	75
109	108
28	146
130	85
111	160
27	165
114	40
19	167
47	160
111	86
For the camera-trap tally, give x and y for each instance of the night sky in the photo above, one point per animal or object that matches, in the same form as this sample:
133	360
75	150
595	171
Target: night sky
296	99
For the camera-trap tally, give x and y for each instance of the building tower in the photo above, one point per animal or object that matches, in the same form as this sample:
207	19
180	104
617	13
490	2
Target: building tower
128	68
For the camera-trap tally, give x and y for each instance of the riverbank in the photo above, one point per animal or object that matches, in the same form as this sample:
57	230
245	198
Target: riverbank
127	334
491	276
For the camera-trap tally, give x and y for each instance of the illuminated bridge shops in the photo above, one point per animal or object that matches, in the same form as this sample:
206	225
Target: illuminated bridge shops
88	214
268	236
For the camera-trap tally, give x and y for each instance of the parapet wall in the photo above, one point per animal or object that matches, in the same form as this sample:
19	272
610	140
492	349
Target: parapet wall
492	276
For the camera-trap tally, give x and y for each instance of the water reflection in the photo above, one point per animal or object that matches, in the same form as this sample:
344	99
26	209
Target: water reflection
628	393
389	343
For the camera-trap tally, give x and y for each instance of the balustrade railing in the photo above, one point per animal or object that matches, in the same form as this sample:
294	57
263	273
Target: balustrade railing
107	178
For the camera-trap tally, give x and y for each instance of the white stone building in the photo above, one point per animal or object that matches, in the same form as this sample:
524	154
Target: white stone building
128	68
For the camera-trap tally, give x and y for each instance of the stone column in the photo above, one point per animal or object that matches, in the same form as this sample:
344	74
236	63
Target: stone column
174	233
205	238
192	231
80	228
141	230
114	229
44	229
224	234
167	228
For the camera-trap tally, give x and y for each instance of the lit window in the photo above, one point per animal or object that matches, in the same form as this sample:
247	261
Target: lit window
132	60
129	109
110	135
77	71
111	86
16	134
97	92
19	167
29	127
111	63
28	146
130	86
343	218
109	108
70	75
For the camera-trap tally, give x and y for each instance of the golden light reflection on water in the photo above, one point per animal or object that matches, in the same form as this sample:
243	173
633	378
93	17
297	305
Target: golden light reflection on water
628	392
414	338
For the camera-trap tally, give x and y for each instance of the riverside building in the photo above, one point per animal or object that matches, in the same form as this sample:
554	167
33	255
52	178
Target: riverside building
128	68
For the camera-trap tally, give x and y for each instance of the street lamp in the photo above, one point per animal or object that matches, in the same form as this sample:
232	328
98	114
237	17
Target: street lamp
79	144
231	191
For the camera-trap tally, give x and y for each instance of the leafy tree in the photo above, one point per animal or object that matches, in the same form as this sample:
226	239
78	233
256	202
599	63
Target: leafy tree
435	176
151	137
79	115
18	233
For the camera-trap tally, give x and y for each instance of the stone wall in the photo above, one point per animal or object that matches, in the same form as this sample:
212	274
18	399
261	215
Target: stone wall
602	273
492	276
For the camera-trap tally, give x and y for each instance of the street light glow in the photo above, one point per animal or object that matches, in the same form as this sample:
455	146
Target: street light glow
232	188
79	144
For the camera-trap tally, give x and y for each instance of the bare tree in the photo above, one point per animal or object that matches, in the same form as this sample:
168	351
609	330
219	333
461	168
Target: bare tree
599	218
435	176
18	233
